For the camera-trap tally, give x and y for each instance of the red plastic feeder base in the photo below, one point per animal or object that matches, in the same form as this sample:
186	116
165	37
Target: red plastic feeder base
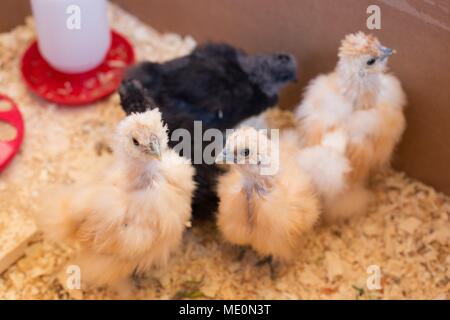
13	117
82	88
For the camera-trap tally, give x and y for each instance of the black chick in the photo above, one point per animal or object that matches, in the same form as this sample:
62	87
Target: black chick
216	84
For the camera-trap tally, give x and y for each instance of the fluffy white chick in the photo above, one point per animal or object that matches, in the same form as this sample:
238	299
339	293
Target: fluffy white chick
362	99
266	201
328	168
131	217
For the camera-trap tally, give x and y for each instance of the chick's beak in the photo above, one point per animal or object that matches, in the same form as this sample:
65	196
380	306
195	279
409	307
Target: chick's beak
386	52
155	149
224	157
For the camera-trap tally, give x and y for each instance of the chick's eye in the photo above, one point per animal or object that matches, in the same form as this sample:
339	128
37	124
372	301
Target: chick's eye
135	142
245	152
371	61
282	57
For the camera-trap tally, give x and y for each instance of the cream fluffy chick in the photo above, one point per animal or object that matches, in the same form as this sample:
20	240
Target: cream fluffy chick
266	201
364	101
133	216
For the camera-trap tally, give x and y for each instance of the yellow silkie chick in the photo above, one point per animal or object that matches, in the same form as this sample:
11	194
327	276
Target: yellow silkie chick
365	102
132	216
266	201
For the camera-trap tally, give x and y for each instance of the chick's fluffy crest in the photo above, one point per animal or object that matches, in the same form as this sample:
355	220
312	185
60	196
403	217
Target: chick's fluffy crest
248	137
357	44
143	123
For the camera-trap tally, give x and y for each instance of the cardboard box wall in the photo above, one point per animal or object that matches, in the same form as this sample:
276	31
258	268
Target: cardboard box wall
311	29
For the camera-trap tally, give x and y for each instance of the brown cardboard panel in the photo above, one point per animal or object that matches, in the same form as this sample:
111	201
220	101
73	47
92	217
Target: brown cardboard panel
312	29
13	13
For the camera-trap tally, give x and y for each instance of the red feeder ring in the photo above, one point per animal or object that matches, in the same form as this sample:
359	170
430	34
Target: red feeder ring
82	88
8	149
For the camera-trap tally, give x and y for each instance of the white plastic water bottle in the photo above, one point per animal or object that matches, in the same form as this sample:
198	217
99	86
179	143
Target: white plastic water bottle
73	35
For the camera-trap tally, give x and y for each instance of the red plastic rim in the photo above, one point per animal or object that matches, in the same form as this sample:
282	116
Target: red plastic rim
8	149
77	89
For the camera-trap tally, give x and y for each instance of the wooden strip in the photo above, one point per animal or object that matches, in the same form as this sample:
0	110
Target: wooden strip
13	252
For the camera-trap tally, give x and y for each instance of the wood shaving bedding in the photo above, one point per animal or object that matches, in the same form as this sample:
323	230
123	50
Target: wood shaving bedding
406	233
